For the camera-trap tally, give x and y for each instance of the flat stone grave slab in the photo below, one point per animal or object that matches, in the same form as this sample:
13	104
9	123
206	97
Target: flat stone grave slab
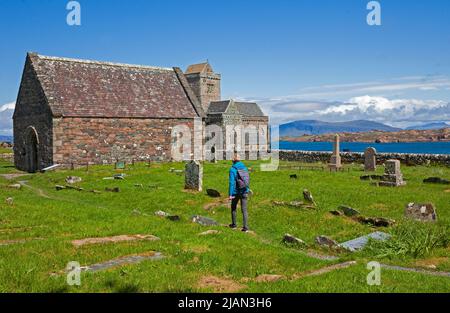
375	221
16	241
416	270
210	232
132	259
361	242
436	180
120	238
204	221
324	270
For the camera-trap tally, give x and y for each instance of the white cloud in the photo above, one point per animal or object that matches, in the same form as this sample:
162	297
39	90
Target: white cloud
6	123
395	112
387	110
375	88
8	106
399	102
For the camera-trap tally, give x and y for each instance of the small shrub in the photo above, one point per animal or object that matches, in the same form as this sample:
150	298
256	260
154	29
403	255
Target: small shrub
414	239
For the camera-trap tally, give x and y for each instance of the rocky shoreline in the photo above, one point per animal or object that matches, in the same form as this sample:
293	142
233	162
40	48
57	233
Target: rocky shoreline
431	135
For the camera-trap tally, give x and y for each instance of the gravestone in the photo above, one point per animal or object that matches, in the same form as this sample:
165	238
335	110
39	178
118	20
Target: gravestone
335	161
194	176
326	242
9	201
392	175
348	211
73	179
120	165
213	193
436	180
204	221
360	242
307	195
370	159
421	212
289	239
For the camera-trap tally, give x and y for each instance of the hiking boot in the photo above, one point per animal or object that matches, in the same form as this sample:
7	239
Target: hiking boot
232	226
245	230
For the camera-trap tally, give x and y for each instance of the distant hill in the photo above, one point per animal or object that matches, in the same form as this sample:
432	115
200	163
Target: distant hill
413	135
314	127
6	138
438	125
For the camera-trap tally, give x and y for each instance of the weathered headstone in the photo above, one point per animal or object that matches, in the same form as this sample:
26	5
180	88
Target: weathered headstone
210	232
326	242
375	221
162	213
392	175
9	201
194	176
370	159
361	242
289	239
15	186
174	218
120	165
115	189
436	180
119	176
421	212
73	179
59	187
335	161
126	260
205	221
348	211
307	195
213	193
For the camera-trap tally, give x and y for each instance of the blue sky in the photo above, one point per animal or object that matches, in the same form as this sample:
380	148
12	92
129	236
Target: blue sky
298	59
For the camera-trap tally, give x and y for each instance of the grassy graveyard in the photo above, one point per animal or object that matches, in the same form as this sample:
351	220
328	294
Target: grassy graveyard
39	223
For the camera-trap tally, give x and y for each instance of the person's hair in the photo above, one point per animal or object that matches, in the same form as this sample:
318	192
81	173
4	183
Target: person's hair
236	157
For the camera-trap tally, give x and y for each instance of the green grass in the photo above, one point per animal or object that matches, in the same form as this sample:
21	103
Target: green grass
69	214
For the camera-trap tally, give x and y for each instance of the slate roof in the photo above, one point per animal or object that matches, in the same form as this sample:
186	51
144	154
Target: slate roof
198	68
218	107
81	88
250	109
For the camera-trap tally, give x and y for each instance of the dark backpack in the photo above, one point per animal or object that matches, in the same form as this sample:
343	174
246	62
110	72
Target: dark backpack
242	178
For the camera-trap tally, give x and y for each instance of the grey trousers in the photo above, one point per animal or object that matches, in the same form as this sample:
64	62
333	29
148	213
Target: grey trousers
234	204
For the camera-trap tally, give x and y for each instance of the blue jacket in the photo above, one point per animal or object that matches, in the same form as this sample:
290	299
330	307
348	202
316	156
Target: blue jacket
233	190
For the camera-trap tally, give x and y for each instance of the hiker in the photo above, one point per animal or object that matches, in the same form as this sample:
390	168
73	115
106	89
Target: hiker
238	190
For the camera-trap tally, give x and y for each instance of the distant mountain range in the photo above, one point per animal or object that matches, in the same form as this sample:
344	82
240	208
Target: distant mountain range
438	125
6	138
314	127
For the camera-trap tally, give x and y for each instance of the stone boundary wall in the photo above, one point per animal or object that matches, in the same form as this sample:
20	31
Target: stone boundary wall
358	157
7	156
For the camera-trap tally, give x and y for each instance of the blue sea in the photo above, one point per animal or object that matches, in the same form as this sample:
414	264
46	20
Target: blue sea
401	147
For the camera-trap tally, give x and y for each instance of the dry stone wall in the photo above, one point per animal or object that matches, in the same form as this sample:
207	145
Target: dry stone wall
356	157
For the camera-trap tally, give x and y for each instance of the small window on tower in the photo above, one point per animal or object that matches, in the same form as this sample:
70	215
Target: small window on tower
210	88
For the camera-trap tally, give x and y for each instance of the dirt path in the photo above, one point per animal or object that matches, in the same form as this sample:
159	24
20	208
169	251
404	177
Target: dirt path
13	176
